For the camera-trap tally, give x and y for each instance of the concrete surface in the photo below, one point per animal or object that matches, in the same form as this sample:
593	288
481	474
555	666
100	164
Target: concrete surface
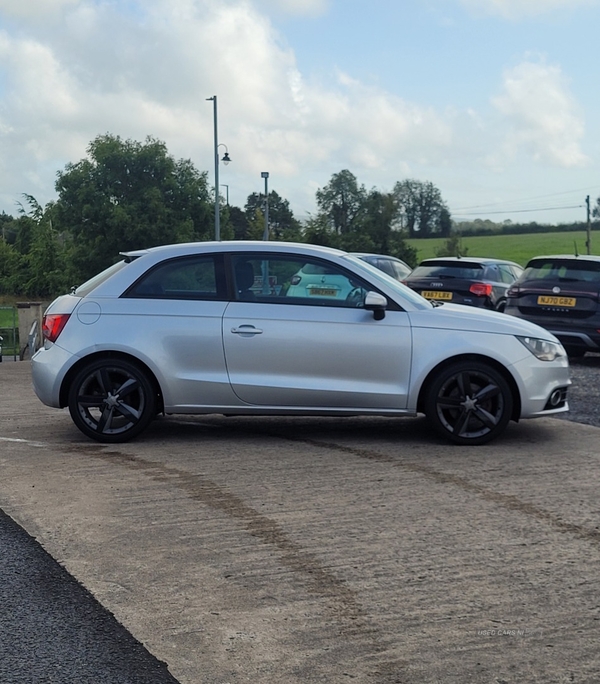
322	550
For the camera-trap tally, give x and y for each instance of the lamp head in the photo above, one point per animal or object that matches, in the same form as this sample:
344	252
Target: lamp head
226	158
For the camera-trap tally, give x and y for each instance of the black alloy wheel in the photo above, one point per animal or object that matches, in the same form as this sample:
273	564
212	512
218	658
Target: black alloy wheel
469	403
112	400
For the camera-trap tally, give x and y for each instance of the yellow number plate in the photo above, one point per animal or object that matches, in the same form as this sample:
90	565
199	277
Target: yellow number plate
544	300
436	295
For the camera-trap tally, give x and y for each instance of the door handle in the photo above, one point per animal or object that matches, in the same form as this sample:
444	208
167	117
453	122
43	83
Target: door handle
246	330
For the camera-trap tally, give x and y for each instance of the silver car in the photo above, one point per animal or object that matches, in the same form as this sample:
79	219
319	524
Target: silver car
219	327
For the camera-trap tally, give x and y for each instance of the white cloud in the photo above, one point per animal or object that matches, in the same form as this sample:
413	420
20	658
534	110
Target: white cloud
312	8
513	9
542	114
150	72
34	8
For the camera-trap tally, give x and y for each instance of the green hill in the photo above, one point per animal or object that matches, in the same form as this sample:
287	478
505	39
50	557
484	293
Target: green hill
519	248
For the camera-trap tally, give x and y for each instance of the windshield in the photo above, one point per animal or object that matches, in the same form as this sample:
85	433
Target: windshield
403	291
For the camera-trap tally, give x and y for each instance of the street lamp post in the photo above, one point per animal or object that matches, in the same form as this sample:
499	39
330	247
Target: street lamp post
226	191
225	160
265	175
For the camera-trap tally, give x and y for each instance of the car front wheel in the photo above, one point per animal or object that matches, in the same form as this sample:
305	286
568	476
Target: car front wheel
112	400
469	403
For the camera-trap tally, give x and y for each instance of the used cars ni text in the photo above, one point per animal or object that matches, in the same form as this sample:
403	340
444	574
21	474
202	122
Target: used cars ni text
474	281
219	327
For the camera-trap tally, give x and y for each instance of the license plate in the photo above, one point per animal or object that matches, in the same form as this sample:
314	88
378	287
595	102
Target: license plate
323	292
436	295
544	300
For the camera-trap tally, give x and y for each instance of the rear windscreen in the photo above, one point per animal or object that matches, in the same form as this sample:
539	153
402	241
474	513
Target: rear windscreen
562	270
449	270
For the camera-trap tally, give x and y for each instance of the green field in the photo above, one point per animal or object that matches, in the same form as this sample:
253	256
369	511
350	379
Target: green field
6	317
519	248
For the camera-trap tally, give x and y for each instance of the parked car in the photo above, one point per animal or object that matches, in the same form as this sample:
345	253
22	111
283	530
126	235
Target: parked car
219	327
465	280
318	280
394	267
562	294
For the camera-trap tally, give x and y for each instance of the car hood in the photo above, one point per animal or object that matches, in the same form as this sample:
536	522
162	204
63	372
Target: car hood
468	318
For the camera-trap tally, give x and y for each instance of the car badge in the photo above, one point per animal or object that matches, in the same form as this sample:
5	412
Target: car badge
436	284
556	290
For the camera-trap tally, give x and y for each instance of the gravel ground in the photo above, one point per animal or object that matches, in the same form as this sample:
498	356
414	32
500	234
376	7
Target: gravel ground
584	393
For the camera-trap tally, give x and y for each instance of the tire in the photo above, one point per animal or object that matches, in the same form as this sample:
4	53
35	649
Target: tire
469	402
501	306
112	400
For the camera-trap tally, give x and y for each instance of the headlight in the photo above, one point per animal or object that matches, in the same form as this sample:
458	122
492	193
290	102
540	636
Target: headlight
544	350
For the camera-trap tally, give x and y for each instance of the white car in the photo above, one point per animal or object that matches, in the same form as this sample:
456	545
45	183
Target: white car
220	327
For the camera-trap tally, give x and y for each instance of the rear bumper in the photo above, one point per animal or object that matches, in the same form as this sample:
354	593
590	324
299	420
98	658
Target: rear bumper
49	365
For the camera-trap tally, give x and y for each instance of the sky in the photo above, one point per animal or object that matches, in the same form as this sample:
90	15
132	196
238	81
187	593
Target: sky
495	102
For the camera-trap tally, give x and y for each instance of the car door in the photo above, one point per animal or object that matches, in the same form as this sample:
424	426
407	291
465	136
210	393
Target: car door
175	313
312	350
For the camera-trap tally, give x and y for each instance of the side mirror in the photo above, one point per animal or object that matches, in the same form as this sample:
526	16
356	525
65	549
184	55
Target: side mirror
376	303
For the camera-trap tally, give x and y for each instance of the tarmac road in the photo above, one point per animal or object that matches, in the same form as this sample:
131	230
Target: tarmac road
320	550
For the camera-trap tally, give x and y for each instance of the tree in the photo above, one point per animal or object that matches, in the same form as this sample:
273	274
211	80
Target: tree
282	224
7	229
239	223
419	207
342	201
38	265
9	266
130	195
452	247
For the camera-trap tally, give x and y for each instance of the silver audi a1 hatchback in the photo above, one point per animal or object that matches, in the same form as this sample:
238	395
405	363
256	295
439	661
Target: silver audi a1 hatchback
222	327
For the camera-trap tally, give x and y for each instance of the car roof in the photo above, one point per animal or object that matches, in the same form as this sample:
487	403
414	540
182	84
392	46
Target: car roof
570	257
234	246
468	260
378	256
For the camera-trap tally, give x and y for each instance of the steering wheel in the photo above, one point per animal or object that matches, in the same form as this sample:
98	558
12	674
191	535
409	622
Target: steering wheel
355	297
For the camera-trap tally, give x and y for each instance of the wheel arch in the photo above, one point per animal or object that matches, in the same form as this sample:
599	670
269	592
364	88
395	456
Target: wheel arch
66	383
506	374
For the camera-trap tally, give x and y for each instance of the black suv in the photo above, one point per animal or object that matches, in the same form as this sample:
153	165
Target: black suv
465	280
561	293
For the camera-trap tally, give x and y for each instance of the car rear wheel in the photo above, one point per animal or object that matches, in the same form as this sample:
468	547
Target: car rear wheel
469	403
112	400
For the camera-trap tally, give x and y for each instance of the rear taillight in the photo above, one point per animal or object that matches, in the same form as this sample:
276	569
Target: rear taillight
481	289
512	292
52	325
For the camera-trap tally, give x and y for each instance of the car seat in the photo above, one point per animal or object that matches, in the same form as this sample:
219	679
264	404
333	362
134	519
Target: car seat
244	280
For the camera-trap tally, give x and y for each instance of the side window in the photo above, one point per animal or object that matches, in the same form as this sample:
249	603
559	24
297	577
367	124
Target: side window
506	274
517	272
387	266
185	278
288	279
400	271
